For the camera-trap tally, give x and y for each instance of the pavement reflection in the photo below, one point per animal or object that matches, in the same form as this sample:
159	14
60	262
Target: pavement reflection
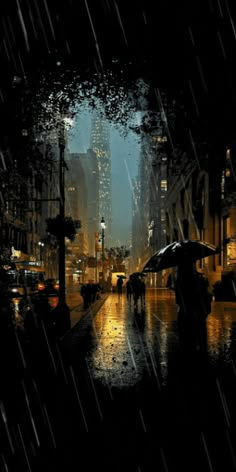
129	343
128	374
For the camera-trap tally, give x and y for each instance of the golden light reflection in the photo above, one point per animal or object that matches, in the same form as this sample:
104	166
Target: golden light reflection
112	346
19	320
129	344
220	327
160	316
116	359
16	303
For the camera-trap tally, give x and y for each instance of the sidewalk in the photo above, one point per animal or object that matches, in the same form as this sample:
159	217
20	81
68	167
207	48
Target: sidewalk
77	310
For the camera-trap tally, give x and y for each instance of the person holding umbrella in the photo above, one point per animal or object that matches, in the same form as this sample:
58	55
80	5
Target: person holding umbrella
129	289
136	288
191	288
119	285
193	300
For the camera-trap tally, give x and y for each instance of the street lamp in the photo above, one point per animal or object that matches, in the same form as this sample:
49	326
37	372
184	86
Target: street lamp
41	245
103	249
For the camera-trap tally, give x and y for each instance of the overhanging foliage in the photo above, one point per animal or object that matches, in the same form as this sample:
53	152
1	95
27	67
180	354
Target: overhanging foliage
67	226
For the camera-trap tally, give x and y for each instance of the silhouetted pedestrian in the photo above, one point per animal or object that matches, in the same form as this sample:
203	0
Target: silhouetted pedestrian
136	287
193	300
119	285
129	290
142	291
86	295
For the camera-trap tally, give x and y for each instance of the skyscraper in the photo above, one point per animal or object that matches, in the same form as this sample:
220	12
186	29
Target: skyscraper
76	197
82	203
82	196
100	144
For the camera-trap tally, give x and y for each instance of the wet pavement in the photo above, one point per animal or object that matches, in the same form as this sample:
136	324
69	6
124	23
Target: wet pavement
124	374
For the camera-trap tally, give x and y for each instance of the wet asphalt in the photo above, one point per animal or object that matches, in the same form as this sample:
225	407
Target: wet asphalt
125	377
122	374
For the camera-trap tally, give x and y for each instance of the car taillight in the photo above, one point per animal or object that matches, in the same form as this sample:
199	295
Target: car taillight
40	286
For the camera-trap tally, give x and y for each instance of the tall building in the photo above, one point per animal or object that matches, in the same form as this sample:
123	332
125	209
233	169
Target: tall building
76	208
136	244
150	190
82	203
100	144
90	168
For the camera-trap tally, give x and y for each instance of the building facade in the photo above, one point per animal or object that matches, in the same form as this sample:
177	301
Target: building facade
100	144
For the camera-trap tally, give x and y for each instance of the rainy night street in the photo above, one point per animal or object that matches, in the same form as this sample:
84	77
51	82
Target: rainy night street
125	374
121	374
117	236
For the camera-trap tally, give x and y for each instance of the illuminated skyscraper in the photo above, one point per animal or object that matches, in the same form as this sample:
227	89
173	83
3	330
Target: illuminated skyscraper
100	144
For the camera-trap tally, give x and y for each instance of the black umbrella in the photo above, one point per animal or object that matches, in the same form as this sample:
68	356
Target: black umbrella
137	274
178	251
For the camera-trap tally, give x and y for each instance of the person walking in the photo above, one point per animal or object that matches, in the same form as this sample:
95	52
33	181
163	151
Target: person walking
142	291
119	285
194	305
129	290
136	287
85	292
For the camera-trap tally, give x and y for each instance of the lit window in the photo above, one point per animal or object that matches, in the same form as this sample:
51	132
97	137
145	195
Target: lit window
222	185
159	139
164	185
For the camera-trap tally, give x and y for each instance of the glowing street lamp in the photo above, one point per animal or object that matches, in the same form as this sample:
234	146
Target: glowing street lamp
41	246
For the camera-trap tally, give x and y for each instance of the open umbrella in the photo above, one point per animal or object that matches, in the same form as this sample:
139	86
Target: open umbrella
173	254
137	274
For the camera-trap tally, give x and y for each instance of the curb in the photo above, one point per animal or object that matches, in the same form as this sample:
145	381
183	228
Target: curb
92	310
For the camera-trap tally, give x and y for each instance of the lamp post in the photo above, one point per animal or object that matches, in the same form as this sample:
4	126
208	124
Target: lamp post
61	259
103	249
41	245
62	307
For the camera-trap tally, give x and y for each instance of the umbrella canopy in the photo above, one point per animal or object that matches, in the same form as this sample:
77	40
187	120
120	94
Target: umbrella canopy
177	252
137	274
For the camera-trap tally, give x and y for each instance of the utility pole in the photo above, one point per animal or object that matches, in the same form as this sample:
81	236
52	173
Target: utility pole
103	251
62	291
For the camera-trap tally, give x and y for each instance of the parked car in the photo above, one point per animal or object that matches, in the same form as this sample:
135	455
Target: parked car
16	291
37	286
52	286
